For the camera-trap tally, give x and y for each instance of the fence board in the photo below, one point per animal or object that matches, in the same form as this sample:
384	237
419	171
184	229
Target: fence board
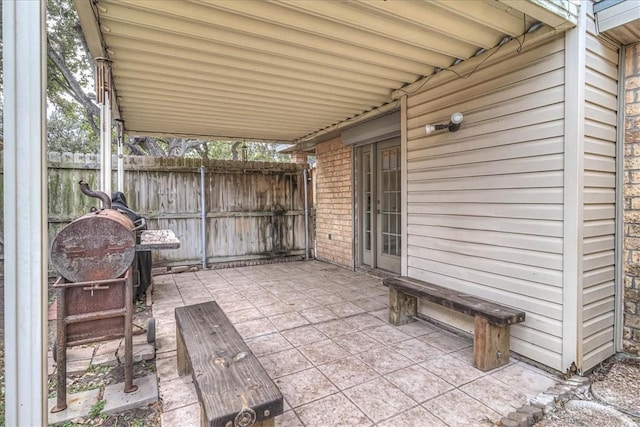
253	209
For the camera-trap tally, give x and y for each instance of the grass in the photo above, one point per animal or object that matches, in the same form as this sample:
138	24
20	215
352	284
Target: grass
97	408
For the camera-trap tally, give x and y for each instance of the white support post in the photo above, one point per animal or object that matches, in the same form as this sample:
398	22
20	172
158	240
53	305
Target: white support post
573	235
25	212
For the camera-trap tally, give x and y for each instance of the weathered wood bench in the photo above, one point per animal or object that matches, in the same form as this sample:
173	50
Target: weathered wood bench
233	387
492	320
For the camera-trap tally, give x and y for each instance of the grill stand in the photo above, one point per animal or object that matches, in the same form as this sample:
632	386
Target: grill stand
74	316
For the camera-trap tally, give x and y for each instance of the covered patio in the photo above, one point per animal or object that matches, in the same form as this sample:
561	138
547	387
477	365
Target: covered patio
522	206
322	333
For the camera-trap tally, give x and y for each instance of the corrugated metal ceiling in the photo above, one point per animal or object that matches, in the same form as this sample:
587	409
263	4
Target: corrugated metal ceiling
282	71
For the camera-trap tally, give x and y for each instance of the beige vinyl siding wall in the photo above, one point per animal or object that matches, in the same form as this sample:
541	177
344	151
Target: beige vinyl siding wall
485	204
601	104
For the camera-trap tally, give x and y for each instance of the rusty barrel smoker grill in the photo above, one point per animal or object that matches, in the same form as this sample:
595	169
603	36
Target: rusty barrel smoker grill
94	255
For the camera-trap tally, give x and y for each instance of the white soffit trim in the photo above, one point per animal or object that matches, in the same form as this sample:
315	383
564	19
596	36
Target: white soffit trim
611	14
558	14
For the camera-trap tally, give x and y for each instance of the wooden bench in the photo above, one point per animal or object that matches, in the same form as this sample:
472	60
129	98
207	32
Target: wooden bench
492	320
233	387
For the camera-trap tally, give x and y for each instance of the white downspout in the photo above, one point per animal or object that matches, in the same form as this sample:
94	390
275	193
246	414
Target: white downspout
25	212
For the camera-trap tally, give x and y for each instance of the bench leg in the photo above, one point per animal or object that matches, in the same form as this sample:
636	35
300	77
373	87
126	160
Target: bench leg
402	307
181	355
490	345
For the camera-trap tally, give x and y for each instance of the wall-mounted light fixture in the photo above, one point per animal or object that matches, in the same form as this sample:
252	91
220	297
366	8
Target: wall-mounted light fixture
453	125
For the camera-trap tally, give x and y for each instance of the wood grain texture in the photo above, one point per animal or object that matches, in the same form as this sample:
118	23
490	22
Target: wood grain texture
402	307
496	314
490	344
229	379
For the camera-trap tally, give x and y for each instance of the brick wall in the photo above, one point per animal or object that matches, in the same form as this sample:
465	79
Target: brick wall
631	335
333	203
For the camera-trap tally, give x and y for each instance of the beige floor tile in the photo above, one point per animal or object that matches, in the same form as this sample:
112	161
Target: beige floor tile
384	360
466	355
303	304
305	386
530	381
177	393
186	416
332	411
165	342
276	308
344	309
387	334
284	363
496	394
167	367
315	291
328	299
446	341
457	409
334	328
303	335
419	328
365	321
291	296
382	314
348	372
352	295
418	383
243	315
323	352
378	399
415	417
232	306
417	350
452	370
263	299
255	328
357	342
228	296
287	321
268	344
288	419
369	304
318	314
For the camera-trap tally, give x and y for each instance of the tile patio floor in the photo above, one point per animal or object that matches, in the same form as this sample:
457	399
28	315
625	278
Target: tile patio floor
322	333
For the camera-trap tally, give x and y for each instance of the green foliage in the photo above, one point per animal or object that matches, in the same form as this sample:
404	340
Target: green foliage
97	408
71	121
70	132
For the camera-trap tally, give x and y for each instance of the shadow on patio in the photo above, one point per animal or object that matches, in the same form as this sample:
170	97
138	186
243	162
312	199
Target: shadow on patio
321	332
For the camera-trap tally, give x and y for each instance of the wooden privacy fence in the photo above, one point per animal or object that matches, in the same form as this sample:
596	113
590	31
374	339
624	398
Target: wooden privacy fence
253	210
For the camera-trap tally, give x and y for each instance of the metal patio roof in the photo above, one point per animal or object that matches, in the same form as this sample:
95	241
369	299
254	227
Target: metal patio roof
284	71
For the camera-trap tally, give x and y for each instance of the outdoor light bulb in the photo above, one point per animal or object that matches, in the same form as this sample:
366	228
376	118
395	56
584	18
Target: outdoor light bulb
429	128
456	118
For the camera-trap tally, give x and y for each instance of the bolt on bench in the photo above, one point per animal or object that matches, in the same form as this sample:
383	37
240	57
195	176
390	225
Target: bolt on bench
492	320
233	388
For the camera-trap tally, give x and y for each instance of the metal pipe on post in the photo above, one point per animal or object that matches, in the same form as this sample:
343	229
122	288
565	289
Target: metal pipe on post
120	186
203	217
306	213
103	87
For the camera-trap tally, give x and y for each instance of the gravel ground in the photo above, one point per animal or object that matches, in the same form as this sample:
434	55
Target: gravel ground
613	399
